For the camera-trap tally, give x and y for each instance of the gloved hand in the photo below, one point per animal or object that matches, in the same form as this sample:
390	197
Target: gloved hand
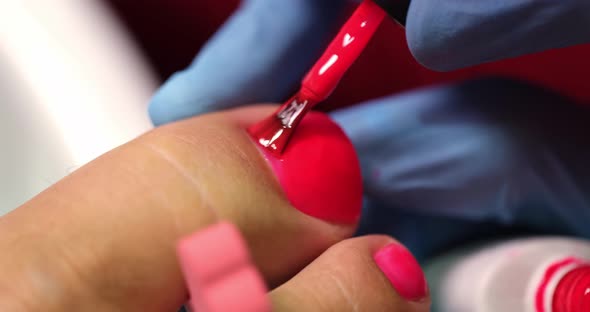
441	151
449	34
484	150
267	45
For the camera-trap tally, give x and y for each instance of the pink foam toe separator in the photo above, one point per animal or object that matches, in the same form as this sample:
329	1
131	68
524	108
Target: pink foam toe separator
219	273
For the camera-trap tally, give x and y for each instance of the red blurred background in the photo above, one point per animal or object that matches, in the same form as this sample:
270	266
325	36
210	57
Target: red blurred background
171	32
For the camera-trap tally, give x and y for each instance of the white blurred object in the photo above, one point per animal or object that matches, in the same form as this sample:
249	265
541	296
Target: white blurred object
72	86
520	275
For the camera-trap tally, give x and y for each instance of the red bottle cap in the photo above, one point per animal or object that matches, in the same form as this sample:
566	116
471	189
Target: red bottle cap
573	291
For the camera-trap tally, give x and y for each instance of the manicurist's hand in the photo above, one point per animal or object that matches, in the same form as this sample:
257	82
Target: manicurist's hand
265	48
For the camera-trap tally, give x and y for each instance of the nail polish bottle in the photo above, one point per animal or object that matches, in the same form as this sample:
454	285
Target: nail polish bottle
537	274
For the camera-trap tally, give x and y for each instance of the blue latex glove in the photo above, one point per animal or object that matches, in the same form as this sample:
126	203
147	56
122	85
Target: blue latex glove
444	153
449	34
485	150
264	49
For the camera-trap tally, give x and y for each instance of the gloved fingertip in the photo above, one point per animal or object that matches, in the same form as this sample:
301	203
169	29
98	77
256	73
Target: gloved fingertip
421	51
460	34
436	52
177	99
449	38
158	112
162	107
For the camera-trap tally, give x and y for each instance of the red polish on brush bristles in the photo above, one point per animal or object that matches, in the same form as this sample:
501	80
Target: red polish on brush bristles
274	132
317	166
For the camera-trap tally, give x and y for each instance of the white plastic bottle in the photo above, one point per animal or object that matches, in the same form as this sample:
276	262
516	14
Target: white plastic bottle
541	274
